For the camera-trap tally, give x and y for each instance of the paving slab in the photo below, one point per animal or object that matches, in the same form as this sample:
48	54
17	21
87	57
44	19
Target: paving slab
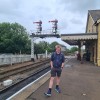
78	82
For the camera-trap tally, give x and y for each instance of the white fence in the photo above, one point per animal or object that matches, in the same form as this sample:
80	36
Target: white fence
12	59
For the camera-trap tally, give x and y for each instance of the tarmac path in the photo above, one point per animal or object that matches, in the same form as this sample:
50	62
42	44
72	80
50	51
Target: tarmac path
78	82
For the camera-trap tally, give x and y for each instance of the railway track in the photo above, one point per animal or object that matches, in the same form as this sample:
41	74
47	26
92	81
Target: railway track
6	74
39	69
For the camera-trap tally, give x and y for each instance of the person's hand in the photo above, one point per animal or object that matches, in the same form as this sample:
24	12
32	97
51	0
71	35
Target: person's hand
51	67
61	68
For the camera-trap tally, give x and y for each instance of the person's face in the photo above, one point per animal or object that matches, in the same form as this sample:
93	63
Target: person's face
58	50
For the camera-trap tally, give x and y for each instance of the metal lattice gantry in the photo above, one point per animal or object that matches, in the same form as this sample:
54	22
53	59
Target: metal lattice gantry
40	34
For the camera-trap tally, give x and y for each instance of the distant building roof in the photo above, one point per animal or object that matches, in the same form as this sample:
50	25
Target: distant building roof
95	14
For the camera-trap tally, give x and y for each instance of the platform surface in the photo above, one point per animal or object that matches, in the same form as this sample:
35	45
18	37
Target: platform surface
78	82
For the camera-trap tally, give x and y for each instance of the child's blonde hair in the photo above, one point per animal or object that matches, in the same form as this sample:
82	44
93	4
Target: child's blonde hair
57	46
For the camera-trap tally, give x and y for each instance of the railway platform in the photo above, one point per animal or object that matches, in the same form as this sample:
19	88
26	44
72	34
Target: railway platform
78	82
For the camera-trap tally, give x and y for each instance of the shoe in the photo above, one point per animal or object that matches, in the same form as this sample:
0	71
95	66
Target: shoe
48	93
58	90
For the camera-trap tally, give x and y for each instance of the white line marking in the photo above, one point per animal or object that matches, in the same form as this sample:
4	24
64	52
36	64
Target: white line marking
27	86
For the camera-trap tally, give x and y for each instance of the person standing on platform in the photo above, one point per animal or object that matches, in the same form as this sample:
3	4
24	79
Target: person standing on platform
57	64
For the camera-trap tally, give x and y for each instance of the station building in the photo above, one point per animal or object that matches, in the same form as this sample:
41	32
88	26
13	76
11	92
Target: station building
90	39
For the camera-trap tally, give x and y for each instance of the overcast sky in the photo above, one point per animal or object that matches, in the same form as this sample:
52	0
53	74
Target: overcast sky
71	14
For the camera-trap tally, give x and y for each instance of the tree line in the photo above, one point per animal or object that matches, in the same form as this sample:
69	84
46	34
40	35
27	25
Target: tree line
15	39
